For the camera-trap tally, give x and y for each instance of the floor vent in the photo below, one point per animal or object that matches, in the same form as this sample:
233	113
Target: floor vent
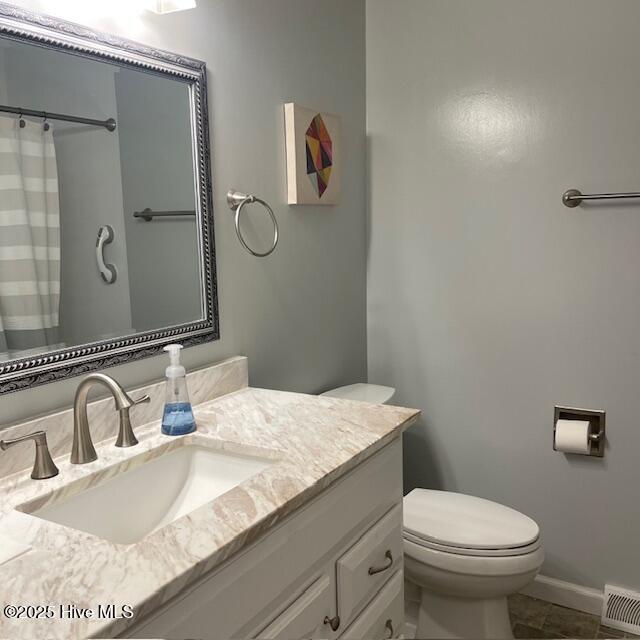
621	609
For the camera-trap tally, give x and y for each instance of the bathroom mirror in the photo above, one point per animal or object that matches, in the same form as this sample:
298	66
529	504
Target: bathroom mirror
106	232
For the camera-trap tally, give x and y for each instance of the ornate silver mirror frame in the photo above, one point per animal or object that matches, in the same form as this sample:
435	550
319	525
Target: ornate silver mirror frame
43	30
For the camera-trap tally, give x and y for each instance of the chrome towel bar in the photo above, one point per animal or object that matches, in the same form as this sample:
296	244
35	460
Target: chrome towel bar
573	197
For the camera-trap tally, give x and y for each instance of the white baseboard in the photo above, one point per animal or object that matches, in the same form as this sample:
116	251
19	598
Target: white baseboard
566	594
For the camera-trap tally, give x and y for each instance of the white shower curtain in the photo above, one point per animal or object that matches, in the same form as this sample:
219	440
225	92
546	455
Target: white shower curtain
29	239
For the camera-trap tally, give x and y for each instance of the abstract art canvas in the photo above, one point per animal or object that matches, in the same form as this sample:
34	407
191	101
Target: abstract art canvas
313	155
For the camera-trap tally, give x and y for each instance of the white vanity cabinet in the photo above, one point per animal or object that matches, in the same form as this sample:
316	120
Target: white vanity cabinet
331	569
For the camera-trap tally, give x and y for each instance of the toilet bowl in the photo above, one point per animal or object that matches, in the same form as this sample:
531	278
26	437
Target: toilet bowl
463	557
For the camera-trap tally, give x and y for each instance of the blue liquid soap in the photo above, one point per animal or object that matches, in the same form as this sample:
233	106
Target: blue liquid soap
178	419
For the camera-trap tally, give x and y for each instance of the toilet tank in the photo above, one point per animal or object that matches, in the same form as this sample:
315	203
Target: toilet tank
363	392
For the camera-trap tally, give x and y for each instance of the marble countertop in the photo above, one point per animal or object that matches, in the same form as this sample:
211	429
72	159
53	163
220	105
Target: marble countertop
314	440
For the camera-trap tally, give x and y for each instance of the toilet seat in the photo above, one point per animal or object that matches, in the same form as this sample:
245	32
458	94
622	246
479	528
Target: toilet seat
484	553
457	523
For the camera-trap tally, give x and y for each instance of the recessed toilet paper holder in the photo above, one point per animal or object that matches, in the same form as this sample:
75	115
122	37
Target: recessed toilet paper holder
596	426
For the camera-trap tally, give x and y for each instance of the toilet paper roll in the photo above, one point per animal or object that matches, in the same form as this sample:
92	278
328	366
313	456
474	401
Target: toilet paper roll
572	436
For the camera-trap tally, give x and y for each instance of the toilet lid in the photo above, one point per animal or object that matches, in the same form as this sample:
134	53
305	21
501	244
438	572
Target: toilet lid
462	521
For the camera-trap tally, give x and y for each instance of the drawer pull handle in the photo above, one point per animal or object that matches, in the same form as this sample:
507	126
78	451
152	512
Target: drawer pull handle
389	557
388	625
334	623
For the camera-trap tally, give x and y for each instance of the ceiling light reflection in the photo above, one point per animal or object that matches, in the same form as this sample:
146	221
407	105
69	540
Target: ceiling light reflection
491	124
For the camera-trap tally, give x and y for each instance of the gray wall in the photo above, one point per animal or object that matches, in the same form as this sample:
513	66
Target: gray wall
158	173
490	302
300	315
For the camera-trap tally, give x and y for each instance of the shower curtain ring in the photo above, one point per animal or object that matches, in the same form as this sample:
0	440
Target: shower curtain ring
45	126
22	123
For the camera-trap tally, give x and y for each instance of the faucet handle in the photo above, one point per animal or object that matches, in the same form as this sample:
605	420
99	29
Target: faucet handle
126	437
43	467
145	399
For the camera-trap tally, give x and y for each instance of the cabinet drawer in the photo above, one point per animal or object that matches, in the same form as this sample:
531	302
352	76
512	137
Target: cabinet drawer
369	563
304	617
384	617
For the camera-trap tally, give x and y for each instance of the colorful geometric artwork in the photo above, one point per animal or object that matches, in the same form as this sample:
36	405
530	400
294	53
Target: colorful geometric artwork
313	145
319	155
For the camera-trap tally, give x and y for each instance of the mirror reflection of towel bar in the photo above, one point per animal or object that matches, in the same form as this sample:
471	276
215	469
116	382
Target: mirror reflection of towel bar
148	214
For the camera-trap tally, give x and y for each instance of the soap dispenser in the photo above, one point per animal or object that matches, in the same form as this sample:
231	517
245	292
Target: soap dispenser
178	417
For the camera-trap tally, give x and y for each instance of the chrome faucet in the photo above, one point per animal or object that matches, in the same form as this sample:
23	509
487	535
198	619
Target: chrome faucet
83	450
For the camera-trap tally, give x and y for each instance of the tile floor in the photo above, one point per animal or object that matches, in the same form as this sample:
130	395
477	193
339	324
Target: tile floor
532	618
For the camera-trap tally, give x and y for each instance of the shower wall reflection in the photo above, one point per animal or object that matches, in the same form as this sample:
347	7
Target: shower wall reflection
51	292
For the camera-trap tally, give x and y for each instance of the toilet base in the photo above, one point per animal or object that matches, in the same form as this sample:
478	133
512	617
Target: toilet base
444	616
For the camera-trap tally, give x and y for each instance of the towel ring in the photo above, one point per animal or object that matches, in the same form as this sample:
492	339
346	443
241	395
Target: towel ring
236	200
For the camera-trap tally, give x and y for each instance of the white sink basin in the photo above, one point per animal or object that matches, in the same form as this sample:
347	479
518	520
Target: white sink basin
128	507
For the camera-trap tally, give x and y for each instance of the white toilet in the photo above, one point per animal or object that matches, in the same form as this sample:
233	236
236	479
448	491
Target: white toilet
462	555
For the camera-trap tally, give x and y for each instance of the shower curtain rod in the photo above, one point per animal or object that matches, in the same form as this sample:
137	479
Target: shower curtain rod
109	125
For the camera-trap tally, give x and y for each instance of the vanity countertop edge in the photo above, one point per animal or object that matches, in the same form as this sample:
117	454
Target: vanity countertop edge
314	441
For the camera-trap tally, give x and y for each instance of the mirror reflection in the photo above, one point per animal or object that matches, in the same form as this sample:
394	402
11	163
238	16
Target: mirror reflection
98	227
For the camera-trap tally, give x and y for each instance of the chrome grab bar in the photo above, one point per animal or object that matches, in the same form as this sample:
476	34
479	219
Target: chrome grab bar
108	272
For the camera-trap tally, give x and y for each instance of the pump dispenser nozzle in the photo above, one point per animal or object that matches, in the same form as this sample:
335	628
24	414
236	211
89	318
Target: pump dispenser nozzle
175	369
174	353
